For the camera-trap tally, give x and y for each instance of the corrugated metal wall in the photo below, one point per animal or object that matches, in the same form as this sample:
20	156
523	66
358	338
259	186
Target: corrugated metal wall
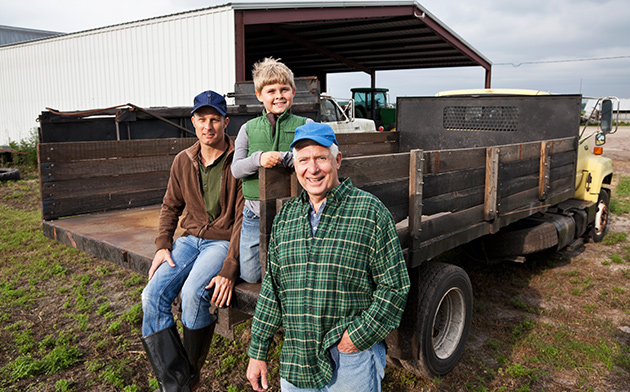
158	62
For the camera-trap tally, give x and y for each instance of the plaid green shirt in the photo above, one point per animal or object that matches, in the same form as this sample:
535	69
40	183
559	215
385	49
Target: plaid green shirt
350	275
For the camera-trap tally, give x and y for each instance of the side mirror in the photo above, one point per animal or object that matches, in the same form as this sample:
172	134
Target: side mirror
600	139
606	116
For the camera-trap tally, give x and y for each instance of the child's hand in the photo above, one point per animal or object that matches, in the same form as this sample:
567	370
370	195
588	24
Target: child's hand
270	159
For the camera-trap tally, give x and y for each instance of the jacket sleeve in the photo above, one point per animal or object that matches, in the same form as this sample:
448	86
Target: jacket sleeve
231	266
391	280
172	208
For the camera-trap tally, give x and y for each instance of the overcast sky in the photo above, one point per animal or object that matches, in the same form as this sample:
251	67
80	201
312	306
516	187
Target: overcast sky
561	46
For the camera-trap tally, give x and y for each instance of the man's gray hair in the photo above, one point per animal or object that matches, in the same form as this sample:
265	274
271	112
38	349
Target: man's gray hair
333	149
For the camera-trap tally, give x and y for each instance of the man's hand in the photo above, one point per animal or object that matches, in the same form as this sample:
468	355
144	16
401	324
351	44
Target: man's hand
345	344
222	290
270	159
257	375
161	256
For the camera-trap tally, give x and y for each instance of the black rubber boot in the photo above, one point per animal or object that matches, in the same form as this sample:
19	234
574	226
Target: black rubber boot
169	360
197	343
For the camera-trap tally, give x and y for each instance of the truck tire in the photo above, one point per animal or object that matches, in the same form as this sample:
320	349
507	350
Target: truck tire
445	314
601	217
9	174
532	238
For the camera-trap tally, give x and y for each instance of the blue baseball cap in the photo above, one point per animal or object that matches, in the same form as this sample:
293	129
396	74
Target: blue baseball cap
212	99
319	132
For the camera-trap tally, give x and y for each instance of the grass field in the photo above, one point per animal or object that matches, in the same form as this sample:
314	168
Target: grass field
70	322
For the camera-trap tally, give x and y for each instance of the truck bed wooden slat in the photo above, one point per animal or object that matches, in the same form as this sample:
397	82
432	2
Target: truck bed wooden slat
440	183
77	151
102	202
79	170
88	187
453	160
375	169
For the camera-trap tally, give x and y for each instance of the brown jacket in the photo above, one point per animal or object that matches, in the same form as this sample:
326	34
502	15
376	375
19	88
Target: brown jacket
184	193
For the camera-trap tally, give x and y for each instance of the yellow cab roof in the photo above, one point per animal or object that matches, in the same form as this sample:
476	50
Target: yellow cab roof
492	91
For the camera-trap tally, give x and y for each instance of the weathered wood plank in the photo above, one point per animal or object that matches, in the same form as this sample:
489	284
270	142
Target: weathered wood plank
101	202
267	213
512	185
563	158
517	169
104	168
492	179
452	181
451	160
562	172
367	137
375	169
524	151
78	151
354	150
528	199
544	171
568	144
88	187
415	193
395	196
454	201
441	224
274	183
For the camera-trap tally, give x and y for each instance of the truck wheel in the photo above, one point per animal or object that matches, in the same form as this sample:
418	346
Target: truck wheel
445	314
601	217
9	174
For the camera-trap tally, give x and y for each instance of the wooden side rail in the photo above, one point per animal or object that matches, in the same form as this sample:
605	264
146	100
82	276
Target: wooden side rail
458	195
85	177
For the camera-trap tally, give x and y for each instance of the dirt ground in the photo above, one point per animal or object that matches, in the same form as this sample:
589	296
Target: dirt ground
536	285
617	148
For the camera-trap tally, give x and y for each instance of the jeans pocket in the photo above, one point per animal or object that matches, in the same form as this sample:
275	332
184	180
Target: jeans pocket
249	214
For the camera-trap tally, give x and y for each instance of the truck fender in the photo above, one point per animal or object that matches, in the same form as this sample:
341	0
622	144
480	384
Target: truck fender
596	171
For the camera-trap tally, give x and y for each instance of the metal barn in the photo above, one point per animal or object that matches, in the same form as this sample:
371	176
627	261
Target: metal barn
165	61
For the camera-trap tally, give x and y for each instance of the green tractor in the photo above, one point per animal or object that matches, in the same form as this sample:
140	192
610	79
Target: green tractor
383	113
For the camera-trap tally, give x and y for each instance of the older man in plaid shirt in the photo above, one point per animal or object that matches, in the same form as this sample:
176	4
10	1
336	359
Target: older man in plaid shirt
336	279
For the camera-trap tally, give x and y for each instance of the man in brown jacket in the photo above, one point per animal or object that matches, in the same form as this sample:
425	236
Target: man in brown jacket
203	262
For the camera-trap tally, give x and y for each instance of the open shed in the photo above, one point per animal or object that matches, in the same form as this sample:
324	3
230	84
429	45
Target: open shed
316	40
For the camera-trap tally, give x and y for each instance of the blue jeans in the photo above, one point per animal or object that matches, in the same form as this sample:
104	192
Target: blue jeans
197	261
250	242
361	371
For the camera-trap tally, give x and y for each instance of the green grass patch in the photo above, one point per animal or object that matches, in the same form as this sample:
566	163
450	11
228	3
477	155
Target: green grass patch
623	188
59	358
615	238
617	259
620	202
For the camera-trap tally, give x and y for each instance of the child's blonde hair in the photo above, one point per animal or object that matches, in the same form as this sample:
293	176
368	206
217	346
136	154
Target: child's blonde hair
270	71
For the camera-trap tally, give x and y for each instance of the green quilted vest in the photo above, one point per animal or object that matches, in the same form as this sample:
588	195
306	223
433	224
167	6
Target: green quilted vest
260	139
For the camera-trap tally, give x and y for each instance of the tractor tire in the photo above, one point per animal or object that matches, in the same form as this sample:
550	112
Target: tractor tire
600	225
9	174
444	319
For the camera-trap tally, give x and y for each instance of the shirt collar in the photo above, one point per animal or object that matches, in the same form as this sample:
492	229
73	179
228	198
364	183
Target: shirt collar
334	196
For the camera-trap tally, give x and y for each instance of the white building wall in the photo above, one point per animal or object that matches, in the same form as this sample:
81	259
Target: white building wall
157	62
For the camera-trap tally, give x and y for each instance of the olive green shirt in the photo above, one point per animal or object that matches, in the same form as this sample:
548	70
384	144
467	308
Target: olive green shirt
210	181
